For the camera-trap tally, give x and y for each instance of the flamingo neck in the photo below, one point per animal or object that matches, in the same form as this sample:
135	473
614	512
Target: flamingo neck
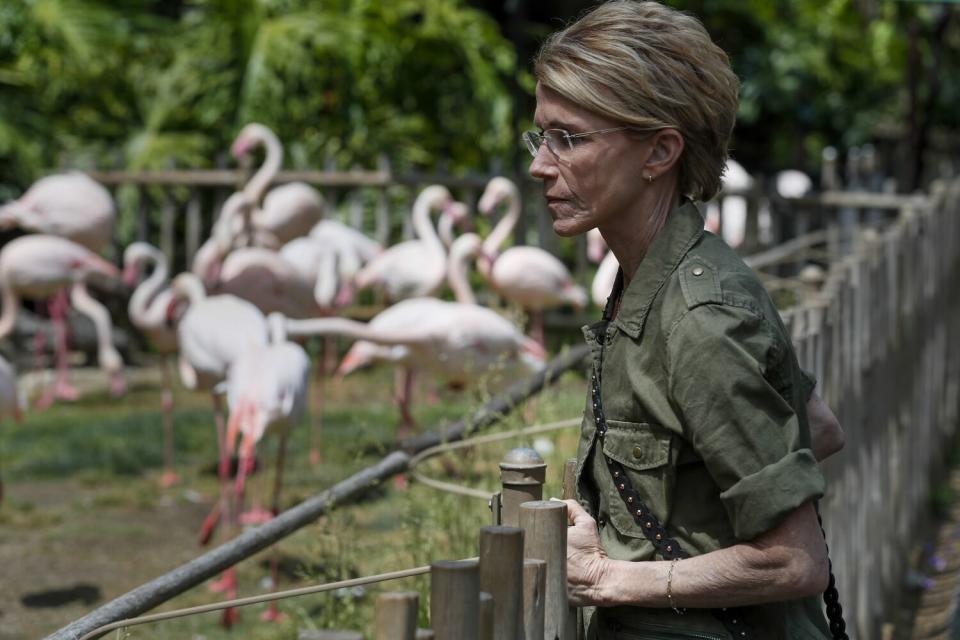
348	328
424	228
189	286
84	303
457	274
258	184
149	288
11	305
500	232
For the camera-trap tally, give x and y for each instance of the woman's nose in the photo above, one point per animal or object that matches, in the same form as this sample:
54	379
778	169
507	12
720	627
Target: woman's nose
544	164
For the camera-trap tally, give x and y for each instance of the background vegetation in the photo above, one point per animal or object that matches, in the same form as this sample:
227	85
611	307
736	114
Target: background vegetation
430	83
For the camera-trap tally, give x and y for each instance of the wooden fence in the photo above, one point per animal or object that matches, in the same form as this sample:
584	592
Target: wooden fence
883	339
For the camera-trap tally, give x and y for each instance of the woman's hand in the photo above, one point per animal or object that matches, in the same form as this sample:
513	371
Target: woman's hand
587	562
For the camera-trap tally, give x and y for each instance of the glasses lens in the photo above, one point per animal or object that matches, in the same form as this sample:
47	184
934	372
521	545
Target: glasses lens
533	140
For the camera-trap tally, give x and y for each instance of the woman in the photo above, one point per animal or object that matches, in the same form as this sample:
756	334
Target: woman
697	475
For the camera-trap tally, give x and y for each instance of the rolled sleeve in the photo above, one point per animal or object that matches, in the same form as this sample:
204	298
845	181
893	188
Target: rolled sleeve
722	358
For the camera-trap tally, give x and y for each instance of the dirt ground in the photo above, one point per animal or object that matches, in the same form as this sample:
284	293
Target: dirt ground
48	583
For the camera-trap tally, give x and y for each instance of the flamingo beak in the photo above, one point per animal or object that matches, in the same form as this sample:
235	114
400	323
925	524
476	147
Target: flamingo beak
129	275
240	148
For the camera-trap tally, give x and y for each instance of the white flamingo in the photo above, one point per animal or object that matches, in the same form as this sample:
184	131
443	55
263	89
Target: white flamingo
69	205
289	211
266	392
38	267
416	267
213	332
529	277
733	216
149	311
607	271
9	399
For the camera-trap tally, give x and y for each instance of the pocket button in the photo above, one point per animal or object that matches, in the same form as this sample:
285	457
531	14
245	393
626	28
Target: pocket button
637	452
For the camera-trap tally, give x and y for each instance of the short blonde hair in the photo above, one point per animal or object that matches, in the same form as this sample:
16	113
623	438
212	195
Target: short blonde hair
647	65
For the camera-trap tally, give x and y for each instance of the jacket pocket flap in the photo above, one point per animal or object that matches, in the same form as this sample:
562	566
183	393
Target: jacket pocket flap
637	445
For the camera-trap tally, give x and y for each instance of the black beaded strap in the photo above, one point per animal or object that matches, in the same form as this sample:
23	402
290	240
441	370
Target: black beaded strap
831	597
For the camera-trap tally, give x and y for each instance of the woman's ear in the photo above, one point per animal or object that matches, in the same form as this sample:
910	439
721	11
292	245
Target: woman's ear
666	146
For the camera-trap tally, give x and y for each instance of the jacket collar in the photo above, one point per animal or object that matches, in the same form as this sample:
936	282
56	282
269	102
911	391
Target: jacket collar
682	230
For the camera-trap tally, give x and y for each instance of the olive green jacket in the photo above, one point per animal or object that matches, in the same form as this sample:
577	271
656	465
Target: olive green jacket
705	407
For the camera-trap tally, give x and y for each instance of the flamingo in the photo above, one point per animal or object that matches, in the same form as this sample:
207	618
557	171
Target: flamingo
734	213
40	266
416	267
607	271
9	400
289	211
529	277
456	341
266	391
149	312
212	333
70	205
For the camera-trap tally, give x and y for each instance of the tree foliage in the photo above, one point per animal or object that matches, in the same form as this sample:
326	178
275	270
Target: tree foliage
122	84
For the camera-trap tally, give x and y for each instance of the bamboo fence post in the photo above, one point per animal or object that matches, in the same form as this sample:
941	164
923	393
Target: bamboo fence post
501	575
522	473
396	615
534	597
570	479
193	227
455	599
544	523
168	224
487	624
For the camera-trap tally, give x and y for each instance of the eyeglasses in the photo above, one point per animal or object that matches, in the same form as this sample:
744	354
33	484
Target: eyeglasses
560	142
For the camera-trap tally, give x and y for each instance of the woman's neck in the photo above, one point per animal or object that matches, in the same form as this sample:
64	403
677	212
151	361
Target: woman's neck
629	236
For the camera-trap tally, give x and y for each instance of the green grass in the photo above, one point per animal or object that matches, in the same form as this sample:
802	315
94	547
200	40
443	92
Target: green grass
115	449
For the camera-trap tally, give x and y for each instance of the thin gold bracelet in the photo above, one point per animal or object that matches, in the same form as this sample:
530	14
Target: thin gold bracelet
673	563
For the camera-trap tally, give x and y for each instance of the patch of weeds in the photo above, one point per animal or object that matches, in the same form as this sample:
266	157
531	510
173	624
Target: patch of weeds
25	514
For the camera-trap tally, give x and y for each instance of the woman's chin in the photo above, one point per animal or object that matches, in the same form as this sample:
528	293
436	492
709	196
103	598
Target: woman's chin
568	228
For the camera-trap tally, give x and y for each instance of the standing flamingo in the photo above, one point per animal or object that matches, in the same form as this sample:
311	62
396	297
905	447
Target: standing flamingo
606	274
529	277
416	267
458	342
9	399
266	391
40	266
289	211
213	332
149	312
731	212
70	205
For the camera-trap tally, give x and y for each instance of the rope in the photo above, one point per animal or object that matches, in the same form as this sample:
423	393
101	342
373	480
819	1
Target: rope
240	602
495	437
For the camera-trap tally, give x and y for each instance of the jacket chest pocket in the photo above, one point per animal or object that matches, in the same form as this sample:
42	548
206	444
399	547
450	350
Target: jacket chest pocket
645	451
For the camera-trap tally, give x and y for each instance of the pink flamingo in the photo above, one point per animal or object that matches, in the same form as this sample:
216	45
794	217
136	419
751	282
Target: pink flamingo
70	205
416	267
289	211
529	277
266	391
9	399
149	312
40	266
457	342
607	271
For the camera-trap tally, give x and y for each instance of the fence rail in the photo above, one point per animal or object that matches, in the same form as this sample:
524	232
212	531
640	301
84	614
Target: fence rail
882	337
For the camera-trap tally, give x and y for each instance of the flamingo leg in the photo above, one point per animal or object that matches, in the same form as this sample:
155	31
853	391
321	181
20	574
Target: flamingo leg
169	477
536	329
323	366
404	391
62	389
273	614
222	508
